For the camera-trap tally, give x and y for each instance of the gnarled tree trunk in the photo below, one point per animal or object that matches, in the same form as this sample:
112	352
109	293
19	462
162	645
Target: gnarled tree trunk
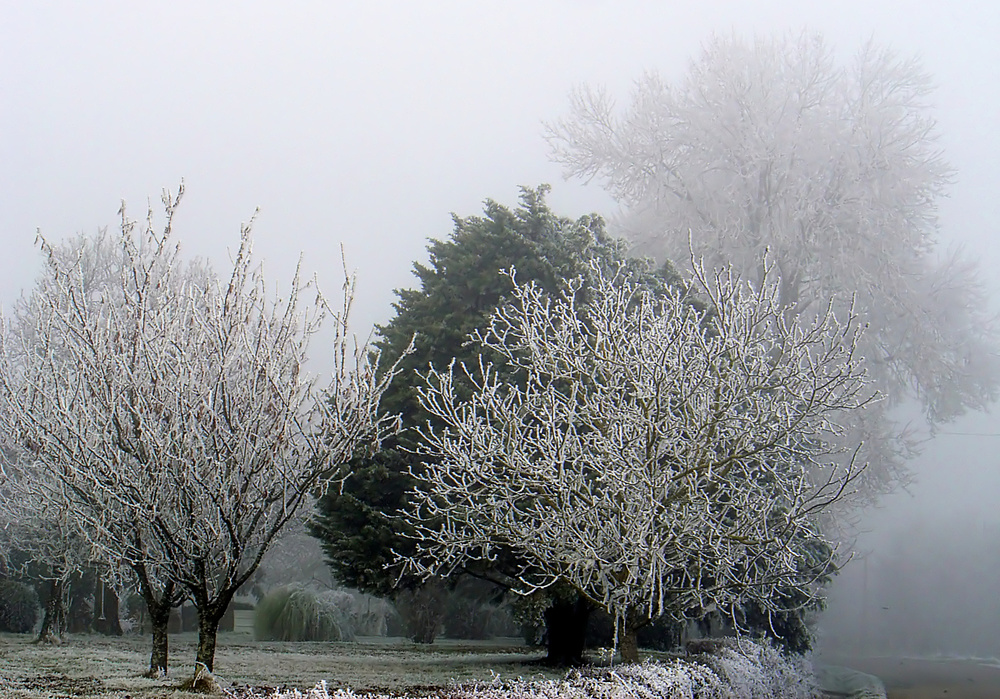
54	622
158	607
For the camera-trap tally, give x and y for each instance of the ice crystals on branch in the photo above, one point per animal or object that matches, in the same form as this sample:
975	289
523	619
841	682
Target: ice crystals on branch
665	453
836	168
172	407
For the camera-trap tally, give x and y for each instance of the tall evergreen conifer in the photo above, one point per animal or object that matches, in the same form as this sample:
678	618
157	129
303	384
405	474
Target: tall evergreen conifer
459	288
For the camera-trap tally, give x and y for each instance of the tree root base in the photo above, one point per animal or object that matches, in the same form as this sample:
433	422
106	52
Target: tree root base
203	682
51	639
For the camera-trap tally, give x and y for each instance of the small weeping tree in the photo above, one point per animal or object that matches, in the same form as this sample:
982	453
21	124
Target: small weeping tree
173	408
657	458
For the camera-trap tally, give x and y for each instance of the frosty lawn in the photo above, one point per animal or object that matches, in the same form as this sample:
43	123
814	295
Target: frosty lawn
99	667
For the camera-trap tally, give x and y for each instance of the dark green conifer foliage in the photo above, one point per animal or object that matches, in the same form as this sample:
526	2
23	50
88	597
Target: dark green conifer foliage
458	289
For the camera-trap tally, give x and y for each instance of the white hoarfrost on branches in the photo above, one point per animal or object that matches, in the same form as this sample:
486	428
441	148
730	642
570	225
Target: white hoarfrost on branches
657	458
37	528
174	411
37	521
36	525
836	171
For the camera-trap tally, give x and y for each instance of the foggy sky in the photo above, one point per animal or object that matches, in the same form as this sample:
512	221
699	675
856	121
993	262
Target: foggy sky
367	123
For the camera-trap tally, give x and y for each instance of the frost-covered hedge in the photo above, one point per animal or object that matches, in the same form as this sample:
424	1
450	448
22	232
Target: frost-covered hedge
737	670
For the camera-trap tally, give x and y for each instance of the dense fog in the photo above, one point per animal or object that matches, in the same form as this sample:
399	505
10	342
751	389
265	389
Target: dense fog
921	580
366	125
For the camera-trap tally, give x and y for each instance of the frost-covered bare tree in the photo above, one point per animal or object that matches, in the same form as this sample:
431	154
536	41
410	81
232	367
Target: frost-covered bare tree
174	409
38	523
835	170
46	518
656	459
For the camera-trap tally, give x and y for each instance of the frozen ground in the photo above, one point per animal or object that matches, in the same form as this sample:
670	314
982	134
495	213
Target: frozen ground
96	666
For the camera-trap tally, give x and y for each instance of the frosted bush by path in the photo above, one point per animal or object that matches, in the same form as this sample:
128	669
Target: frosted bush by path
736	670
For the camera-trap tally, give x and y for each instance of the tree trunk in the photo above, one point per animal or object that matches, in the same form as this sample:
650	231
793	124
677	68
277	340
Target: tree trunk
158	608
159	617
208	632
210	613
209	616
54	623
628	636
628	644
566	630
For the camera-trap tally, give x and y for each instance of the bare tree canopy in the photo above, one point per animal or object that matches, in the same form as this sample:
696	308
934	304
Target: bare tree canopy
834	169
174	411
656	460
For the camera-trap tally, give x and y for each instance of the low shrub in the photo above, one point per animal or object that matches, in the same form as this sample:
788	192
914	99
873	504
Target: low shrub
298	613
423	610
733	669
19	607
762	667
372	616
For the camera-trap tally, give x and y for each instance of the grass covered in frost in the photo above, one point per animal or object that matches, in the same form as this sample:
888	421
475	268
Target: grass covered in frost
734	671
98	667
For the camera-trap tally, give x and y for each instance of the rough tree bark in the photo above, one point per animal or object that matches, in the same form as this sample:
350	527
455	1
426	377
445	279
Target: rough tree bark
159	617
209	617
54	622
208	632
158	607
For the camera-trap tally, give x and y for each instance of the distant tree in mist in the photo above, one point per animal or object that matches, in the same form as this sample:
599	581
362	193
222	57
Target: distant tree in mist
39	542
170	413
832	168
